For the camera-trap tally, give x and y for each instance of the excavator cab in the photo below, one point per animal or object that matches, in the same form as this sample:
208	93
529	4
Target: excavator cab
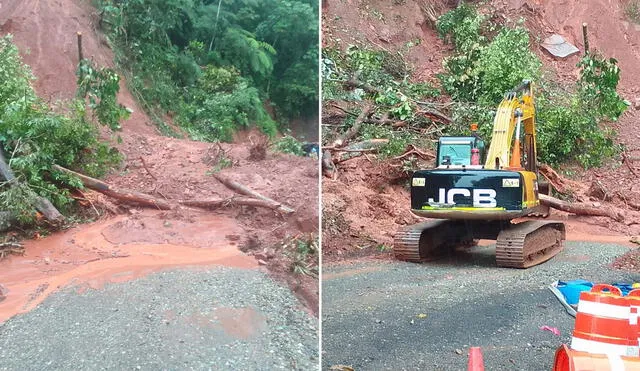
459	151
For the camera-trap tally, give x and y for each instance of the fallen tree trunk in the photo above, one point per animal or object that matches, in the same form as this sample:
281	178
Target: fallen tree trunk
235	186
579	209
125	195
44	206
214	203
7	220
355	128
328	167
561	184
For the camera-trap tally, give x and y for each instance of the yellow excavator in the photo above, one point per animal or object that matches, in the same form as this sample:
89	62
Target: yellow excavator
474	193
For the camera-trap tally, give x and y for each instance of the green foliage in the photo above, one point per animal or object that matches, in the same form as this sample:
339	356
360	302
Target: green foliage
222	103
264	52
599	79
303	252
462	27
289	144
484	68
569	125
491	60
102	87
33	138
632	10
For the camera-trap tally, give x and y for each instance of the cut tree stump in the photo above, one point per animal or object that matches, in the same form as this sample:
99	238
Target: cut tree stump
125	195
235	186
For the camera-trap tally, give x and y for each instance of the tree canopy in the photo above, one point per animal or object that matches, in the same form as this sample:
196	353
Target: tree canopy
189	57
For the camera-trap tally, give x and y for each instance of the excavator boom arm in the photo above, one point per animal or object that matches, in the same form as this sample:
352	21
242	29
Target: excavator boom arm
504	125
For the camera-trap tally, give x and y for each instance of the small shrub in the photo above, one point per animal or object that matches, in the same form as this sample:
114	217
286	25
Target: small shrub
632	10
102	87
289	144
303	252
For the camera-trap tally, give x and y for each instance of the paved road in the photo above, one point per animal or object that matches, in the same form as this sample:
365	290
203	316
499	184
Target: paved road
402	316
214	318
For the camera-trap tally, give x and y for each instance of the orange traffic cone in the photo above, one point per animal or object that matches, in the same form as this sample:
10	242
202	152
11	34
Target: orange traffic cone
604	323
572	360
475	359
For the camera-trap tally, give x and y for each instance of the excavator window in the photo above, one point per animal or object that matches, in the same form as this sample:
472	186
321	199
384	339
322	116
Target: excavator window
455	154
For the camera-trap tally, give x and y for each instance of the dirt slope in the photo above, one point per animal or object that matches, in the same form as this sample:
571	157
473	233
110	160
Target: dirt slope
45	31
363	221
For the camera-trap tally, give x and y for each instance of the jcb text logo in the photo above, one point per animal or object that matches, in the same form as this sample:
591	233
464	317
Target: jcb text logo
481	197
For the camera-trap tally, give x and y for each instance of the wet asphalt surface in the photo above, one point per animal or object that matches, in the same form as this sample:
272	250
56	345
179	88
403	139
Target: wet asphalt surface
213	318
389	315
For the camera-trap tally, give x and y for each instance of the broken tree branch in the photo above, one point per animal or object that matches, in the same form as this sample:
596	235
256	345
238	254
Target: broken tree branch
353	82
560	183
435	115
7	248
125	195
144	164
344	110
214	203
355	128
235	186
579	209
334	149
626	160
413	150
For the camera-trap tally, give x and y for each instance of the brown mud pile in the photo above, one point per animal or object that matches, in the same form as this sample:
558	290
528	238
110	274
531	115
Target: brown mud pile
365	205
176	169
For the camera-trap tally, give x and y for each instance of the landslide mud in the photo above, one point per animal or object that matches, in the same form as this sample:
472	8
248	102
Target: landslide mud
116	250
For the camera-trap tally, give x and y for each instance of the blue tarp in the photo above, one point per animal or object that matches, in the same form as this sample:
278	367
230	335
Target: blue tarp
568	292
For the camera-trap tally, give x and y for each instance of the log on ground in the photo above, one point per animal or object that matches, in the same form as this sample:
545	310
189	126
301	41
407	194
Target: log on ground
237	187
580	209
215	203
125	195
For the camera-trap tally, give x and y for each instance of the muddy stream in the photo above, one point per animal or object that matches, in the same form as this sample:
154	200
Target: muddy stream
116	250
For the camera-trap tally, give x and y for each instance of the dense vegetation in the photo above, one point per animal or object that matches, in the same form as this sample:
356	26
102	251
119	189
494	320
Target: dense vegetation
488	60
34	136
217	66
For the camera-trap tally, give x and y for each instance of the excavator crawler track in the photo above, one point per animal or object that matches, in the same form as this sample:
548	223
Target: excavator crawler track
530	243
429	240
519	246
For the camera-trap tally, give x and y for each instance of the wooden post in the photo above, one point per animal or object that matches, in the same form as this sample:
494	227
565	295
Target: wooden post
79	46
586	39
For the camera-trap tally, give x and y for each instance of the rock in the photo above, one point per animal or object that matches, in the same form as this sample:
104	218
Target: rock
559	47
636	103
458	351
3	292
262	262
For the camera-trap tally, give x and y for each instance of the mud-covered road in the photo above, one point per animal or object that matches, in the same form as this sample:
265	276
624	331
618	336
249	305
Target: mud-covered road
183	319
384	315
150	290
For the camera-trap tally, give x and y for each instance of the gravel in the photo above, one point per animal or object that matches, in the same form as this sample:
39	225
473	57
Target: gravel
403	316
167	320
